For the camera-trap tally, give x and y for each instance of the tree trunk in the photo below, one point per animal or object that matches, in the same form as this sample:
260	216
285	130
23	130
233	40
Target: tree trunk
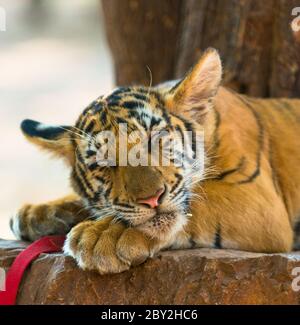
143	37
260	51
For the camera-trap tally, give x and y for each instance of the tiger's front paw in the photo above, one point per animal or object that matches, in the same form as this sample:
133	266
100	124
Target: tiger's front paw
32	222
107	246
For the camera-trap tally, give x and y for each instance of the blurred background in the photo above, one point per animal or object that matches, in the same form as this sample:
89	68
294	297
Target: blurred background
54	60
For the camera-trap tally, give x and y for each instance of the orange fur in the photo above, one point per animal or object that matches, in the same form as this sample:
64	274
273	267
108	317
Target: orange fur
248	198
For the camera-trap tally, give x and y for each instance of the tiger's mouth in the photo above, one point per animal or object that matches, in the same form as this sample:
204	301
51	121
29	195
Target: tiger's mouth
152	216
164	226
162	223
162	216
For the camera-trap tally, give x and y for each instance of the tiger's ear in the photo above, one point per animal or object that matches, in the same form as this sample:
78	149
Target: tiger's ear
193	95
55	139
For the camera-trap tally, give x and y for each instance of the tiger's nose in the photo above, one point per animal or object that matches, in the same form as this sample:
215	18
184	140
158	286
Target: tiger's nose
153	201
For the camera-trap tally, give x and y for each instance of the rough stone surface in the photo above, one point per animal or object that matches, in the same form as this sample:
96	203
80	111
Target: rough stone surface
198	276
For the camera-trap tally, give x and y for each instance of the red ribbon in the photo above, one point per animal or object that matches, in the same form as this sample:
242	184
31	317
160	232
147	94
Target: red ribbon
49	244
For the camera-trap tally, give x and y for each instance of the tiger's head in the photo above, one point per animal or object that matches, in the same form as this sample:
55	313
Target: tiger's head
137	193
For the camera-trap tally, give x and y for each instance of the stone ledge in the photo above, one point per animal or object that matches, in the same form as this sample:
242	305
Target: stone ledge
198	276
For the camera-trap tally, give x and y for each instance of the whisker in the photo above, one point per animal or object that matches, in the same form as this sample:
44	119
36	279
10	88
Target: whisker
150	81
72	132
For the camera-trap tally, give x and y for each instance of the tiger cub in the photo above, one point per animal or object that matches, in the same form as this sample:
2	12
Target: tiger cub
245	193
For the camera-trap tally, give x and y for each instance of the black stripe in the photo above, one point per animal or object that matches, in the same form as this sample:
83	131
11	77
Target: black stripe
154	121
97	106
113	99
218	238
140	117
189	127
179	179
144	91
79	184
84	181
96	195
260	142
32	128
125	222
121	120
166	116
73	142
137	92
216	139
193	243
252	177
274	174
140	97
79	157
99	178
90	126
172	90
125	205
297	227
121	90
115	109
107	192
81	121
231	171
134	114
131	104
125	212
182	194
178	128
90	153
93	166
142	120
103	117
